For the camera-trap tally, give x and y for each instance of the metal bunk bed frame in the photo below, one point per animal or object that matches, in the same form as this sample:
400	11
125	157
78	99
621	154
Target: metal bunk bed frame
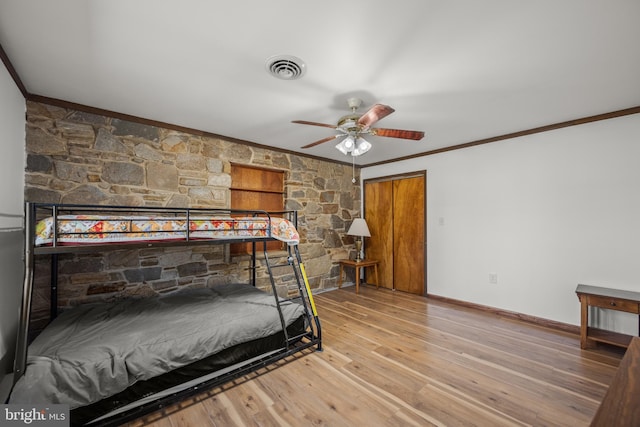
312	337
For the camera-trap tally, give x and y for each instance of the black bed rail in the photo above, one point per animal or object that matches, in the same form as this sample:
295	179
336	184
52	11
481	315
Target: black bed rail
254	366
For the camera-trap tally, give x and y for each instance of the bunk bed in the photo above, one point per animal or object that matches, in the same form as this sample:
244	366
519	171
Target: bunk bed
112	362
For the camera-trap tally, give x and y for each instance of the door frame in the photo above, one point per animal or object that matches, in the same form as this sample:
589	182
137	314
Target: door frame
415	174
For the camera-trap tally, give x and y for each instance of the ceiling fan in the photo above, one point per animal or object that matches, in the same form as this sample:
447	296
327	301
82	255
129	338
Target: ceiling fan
353	126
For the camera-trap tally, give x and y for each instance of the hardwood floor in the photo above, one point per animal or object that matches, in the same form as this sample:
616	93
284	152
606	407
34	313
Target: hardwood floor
393	359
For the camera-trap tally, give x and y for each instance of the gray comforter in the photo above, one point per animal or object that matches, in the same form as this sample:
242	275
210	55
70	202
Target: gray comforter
96	350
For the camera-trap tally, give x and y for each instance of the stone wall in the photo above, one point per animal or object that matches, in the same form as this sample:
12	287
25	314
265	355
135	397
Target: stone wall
78	157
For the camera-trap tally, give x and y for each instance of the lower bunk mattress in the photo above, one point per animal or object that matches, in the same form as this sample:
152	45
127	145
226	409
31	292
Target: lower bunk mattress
93	352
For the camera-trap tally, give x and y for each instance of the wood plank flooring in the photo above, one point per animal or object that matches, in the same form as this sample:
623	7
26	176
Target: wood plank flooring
395	359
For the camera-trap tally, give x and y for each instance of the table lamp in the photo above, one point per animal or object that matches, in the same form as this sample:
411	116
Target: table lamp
359	228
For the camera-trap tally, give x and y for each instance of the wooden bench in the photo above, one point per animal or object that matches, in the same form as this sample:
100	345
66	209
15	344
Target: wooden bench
612	299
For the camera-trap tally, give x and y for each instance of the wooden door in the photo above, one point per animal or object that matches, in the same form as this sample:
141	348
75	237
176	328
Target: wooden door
408	235
379	217
395	213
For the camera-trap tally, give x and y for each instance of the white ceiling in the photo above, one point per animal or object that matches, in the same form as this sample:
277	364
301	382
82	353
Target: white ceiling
460	70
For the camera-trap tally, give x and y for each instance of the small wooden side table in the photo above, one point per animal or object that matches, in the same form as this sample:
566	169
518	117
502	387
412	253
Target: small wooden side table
357	265
612	299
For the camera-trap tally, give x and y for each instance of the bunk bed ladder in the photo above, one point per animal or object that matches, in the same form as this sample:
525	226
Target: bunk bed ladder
275	294
305	292
294	261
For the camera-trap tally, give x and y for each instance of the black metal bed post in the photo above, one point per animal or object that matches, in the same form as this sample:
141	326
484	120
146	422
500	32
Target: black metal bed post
53	304
53	307
20	362
253	264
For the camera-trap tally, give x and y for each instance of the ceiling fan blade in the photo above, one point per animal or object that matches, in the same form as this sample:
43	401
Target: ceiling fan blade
329	138
398	133
304	122
375	113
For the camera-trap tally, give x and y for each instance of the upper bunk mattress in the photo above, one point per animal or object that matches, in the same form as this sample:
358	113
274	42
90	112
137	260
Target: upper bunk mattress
92	229
93	351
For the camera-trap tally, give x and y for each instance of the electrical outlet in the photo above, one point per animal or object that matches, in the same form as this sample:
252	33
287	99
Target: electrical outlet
493	278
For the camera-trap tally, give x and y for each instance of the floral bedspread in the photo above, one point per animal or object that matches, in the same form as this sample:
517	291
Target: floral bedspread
99	229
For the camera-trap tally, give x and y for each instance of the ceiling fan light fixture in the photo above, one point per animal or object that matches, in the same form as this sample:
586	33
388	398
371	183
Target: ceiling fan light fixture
362	146
346	145
353	146
348	142
353	125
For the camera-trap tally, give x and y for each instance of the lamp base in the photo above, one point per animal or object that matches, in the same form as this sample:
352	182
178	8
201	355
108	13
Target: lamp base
358	250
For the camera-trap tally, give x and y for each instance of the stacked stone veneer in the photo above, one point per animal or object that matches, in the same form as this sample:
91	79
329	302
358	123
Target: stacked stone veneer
82	158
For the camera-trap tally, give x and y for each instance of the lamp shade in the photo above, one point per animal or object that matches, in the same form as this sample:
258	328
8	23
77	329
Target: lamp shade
359	228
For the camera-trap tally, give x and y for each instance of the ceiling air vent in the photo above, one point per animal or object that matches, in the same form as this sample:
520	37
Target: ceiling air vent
286	67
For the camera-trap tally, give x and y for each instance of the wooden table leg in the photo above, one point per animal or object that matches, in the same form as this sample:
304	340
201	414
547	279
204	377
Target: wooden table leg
357	279
340	279
584	322
375	270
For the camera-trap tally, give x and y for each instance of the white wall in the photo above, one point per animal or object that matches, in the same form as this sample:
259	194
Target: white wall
544	212
12	163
